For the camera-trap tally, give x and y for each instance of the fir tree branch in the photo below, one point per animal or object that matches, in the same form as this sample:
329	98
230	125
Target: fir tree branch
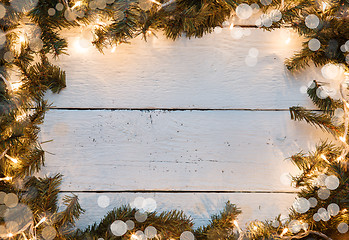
66	219
322	121
221	226
328	105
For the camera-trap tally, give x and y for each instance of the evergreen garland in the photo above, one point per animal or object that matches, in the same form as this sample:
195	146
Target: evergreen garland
22	110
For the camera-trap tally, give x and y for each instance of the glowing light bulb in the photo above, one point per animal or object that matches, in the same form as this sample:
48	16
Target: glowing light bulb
255	228
324	6
149	32
14	160
41	221
284	232
16	85
324	158
134	237
6	179
21	117
347	104
10	235
288	40
113	49
79	46
156	2
24	236
343	139
22	38
237	225
231	26
77	4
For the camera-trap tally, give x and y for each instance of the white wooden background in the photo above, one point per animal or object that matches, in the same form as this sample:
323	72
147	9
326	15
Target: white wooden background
186	123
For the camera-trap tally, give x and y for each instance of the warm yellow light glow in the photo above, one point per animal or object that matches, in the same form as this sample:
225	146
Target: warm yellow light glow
78	48
231	26
237	225
324	6
156	2
134	237
305	226
10	235
113	49
284	232
340	158
343	139
16	85
324	158
21	39
24	236
149	32
6	179
77	4
255	228
14	160
41	221
288	40
347	104
21	117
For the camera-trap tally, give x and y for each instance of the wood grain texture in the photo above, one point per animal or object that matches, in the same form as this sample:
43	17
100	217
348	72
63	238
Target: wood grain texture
199	206
181	150
209	72
237	151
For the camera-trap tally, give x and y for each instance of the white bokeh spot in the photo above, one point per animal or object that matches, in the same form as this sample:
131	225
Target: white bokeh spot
187	236
244	11
301	205
312	21
314	44
118	228
103	201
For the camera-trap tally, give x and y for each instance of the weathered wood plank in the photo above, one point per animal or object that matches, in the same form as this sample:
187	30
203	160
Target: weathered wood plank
200	206
198	73
181	150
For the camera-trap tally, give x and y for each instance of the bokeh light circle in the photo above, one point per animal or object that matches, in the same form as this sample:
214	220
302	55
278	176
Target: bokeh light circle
2	11
103	201
49	233
140	216
118	228
313	202
332	182
24	5
244	11
323	193
343	227
314	44
312	21
130	224
333	209
301	205
11	200
149	205
186	235
150	232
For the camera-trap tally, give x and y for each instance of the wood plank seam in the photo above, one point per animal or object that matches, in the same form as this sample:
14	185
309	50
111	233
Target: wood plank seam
178	191
178	109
